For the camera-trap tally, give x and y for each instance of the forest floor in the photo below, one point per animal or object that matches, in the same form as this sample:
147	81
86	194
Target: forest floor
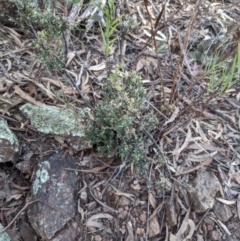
192	191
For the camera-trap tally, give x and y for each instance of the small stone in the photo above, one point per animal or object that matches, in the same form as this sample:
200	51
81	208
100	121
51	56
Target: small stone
26	167
205	188
69	233
214	236
143	217
120	210
98	238
210	227
9	146
91	206
123	215
83	197
208	221
222	211
123	201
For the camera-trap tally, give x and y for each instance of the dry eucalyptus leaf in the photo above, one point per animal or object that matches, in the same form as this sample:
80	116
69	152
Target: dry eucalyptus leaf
154	227
228	202
173	117
152	200
98	67
177	152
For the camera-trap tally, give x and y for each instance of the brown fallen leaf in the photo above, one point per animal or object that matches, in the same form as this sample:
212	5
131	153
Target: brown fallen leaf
205	146
152	200
183	226
26	96
130	236
176	152
95	169
105	165
154	227
173	116
155	212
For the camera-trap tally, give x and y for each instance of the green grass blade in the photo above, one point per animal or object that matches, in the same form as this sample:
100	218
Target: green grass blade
229	77
238	54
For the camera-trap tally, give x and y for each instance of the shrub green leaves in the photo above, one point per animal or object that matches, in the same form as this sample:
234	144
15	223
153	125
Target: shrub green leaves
118	128
47	28
111	25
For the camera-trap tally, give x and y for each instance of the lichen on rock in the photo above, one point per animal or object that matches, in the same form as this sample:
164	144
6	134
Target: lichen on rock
9	145
6	133
54	120
4	236
56	188
42	176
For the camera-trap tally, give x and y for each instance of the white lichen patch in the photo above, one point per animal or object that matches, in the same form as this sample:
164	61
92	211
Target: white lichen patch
46	164
42	176
54	120
4	236
7	134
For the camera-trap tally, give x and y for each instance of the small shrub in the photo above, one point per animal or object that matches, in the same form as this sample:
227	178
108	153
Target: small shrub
163	185
119	124
47	28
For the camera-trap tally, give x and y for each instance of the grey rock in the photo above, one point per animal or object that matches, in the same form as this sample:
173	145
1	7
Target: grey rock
53	120
4	236
214	235
69	233
123	201
205	188
9	146
222	211
55	187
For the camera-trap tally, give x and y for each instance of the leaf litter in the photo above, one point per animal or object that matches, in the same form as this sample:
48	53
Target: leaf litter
193	132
